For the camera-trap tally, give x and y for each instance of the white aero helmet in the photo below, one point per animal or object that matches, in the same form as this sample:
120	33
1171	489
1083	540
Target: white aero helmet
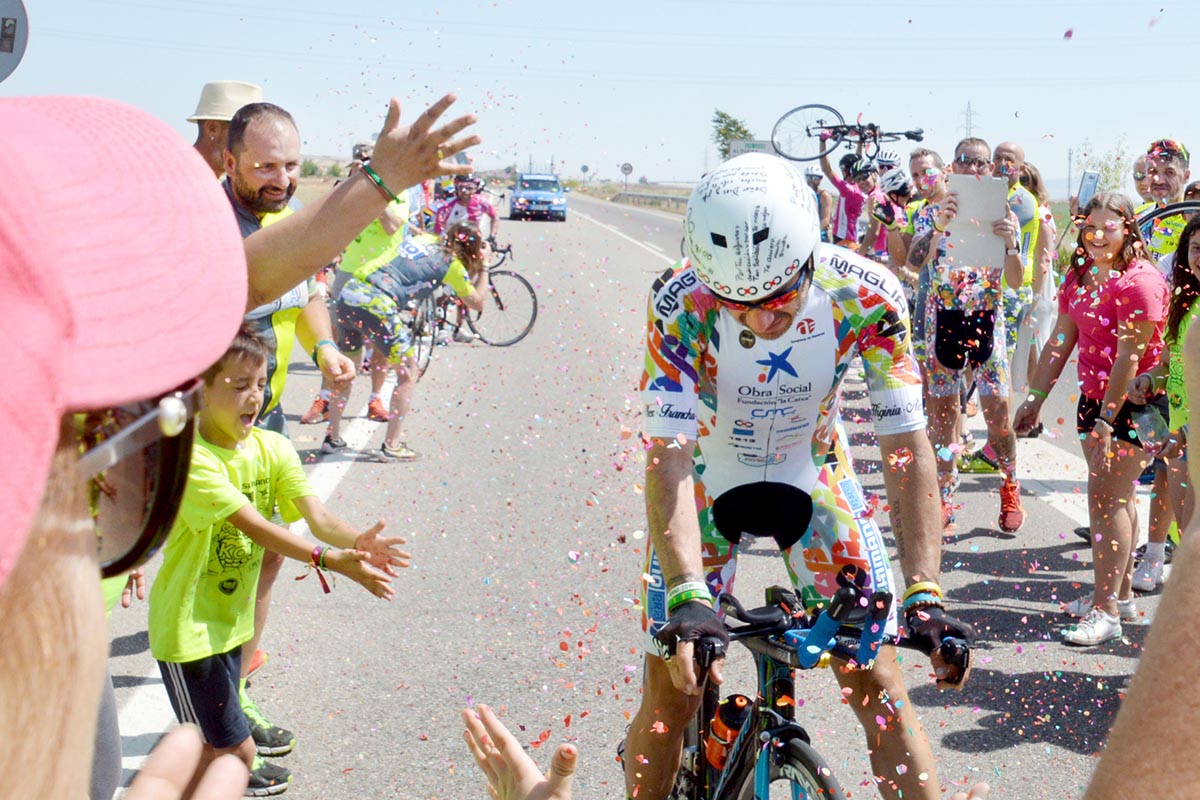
751	224
895	180
888	158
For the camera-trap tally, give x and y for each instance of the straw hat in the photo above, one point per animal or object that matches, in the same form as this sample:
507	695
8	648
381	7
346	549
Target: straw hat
221	99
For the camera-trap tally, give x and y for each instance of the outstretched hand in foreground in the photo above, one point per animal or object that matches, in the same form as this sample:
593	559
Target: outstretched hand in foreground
169	767
511	773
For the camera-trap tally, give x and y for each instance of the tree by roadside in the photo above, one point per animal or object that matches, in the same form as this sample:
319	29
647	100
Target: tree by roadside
1115	165
726	128
309	168
335	170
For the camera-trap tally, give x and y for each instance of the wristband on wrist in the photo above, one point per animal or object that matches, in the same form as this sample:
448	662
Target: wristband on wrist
688	597
318	563
378	181
922	600
686	592
1038	393
321	344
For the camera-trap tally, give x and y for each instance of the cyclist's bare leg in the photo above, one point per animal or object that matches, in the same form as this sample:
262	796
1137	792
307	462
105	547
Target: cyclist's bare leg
1000	432
379	368
901	755
943	415
267	573
651	758
402	395
340	396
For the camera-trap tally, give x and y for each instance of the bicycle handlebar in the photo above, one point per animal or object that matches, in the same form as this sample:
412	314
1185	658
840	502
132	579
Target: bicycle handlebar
801	640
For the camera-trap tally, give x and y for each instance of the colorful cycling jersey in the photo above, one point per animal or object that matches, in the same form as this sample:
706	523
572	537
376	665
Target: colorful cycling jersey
475	210
420	266
1164	231
764	410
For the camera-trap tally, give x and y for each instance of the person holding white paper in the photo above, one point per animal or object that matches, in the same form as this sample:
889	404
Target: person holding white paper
964	326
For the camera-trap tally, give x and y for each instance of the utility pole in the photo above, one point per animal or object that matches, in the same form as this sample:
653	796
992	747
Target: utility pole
1070	163
969	121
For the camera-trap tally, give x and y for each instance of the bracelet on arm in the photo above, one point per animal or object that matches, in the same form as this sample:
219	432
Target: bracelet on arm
321	344
317	558
1038	393
923	586
686	592
378	181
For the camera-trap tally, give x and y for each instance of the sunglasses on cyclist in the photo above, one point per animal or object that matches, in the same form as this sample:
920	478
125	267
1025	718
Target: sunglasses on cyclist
135	459
977	163
1139	176
775	302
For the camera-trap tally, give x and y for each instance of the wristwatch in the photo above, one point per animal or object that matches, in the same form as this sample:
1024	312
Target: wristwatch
1012	251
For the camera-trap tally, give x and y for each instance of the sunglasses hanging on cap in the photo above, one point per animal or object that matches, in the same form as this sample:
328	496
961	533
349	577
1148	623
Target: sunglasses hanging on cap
135	458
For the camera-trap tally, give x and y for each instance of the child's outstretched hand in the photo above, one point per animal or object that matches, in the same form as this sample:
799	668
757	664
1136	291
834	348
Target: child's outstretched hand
356	565
384	552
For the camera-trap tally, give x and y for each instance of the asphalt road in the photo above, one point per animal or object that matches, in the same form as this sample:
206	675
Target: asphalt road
526	523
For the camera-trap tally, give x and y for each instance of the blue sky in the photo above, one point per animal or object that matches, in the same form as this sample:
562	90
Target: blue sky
604	83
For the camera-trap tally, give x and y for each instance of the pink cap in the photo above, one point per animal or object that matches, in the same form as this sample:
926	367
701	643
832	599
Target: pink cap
123	276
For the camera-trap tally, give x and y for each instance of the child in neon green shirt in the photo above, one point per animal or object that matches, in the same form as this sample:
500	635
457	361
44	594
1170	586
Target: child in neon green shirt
202	601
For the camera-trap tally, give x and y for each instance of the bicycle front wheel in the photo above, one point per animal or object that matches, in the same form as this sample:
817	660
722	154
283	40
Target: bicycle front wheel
797	771
423	328
797	134
509	311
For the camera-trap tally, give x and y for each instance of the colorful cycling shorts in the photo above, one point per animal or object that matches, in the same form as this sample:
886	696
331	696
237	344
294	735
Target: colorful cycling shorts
365	311
956	338
842	532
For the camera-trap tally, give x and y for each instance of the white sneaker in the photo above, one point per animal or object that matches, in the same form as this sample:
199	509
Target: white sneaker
1096	628
1147	576
463	336
1080	608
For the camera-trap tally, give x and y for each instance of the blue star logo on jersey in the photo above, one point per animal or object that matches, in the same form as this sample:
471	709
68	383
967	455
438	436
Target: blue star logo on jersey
778	362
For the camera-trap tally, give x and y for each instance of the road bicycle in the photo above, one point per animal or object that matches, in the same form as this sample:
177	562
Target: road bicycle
810	131
509	312
771	754
1147	219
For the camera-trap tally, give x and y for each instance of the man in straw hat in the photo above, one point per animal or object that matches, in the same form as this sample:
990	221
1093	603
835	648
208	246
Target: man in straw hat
219	101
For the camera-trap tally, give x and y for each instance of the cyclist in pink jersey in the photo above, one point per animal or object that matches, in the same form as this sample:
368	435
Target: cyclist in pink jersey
467	206
851	198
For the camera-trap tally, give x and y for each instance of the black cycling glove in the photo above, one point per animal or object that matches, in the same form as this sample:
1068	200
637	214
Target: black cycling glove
687	623
885	213
930	627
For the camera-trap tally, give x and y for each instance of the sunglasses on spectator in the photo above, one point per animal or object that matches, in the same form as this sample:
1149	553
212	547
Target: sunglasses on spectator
978	163
135	459
774	302
1165	148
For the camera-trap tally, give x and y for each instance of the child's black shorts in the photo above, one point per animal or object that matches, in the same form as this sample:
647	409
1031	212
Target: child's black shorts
205	693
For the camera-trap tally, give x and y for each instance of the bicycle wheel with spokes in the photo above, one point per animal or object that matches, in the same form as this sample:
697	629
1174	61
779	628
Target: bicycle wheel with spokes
509	311
422	330
796	771
797	134
1148	218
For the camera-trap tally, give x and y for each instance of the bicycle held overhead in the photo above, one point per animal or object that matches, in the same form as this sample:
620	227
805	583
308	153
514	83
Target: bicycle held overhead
810	131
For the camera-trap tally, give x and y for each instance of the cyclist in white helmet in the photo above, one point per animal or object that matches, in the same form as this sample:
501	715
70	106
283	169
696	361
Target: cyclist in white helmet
887	159
748	342
813	176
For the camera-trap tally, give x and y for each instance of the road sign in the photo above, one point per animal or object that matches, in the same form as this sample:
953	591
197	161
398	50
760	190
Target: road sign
583	169
627	168
739	146
14	34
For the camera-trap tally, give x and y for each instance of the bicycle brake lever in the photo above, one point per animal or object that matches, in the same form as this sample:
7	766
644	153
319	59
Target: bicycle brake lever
708	651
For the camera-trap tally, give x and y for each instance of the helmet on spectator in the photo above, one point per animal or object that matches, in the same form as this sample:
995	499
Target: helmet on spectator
895	180
752	224
887	159
469	178
813	171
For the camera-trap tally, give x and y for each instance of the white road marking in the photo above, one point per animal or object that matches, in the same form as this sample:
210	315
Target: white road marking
630	239
653	245
147	715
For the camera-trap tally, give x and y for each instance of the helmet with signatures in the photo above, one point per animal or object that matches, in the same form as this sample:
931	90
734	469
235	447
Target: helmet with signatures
813	171
895	180
751	224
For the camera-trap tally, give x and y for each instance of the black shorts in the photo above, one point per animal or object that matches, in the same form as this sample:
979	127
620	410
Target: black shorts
1088	411
205	693
962	338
